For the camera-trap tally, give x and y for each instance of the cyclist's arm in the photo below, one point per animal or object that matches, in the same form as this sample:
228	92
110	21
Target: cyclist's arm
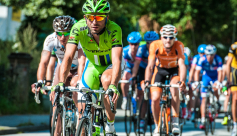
50	69
228	66
67	61
191	73
149	69
135	67
116	62
182	69
45	56
196	75
219	72
81	61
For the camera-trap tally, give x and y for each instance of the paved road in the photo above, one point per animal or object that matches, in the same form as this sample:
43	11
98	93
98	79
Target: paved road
188	130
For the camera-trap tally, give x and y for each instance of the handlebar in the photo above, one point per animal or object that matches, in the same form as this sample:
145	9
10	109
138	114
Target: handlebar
158	84
37	100
124	81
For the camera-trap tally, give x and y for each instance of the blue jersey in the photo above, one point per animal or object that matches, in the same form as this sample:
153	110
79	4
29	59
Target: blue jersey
196	59
142	54
187	64
210	69
128	57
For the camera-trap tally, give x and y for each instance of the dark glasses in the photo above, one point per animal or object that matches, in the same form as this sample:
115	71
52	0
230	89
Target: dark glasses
149	42
171	38
97	17
135	44
63	33
210	55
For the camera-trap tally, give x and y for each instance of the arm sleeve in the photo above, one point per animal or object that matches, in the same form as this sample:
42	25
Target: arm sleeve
53	54
49	43
195	61
139	53
199	64
180	50
116	37
186	59
219	61
152	51
74	34
231	52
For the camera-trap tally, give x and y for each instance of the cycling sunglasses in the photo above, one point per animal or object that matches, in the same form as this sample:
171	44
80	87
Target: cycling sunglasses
63	33
97	17
171	38
149	42
135	44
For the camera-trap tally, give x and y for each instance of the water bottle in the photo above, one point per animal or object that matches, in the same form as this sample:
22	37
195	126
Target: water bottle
69	113
72	119
134	105
96	130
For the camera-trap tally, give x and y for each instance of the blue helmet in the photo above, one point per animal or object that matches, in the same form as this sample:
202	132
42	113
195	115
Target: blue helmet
151	36
134	37
201	48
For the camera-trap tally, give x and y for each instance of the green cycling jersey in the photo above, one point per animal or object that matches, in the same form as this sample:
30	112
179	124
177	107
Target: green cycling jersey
110	36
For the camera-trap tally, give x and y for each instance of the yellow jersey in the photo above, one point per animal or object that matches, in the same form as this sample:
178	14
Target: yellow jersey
233	54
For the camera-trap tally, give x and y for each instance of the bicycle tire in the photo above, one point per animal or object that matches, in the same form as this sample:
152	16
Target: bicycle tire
207	119
55	118
230	121
84	124
128	117
162	129
50	117
139	119
213	123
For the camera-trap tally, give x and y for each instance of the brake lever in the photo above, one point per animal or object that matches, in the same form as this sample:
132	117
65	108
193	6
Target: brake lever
110	93
37	100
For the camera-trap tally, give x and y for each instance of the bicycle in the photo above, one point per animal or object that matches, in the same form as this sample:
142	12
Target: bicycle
65	110
130	111
229	113
165	109
100	118
210	110
197	111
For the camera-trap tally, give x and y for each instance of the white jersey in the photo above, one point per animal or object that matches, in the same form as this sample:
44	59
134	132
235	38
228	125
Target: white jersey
52	43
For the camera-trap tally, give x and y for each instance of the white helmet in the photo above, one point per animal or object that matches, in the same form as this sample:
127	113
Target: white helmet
187	51
167	30
210	49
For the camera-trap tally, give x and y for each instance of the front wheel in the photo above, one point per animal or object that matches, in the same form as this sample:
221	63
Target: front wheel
128	117
83	128
57	120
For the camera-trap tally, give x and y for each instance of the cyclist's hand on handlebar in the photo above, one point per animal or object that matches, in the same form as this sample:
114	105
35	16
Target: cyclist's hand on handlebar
182	86
61	84
37	85
133	80
194	85
116	93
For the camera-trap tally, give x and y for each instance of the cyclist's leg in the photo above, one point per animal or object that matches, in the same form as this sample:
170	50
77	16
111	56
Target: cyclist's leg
106	79
175	104
205	82
143	109
226	107
234	98
156	93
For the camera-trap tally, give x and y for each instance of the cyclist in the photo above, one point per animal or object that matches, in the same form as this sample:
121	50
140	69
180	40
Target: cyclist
224	84
169	55
201	49
139	67
101	41
130	55
211	64
57	42
231	76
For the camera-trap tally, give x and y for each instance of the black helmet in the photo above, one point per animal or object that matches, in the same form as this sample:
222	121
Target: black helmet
63	23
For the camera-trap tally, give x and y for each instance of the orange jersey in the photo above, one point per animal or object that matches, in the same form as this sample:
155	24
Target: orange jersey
164	59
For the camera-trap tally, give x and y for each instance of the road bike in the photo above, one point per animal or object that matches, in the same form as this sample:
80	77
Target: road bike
65	111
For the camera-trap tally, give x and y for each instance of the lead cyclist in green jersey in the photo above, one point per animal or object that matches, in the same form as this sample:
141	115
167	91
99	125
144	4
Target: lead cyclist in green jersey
101	41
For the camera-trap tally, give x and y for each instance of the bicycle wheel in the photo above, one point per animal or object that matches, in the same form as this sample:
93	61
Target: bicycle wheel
50	118
162	121
128	117
230	121
57	118
207	119
83	127
212	122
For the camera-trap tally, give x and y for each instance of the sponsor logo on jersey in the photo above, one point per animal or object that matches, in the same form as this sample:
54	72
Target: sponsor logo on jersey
72	37
97	51
75	31
114	39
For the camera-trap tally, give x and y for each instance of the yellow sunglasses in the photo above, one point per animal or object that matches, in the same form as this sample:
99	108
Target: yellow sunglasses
97	17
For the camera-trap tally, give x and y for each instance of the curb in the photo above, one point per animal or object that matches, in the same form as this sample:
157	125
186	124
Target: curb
13	130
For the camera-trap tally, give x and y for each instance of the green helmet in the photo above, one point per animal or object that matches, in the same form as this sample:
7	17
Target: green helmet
96	6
